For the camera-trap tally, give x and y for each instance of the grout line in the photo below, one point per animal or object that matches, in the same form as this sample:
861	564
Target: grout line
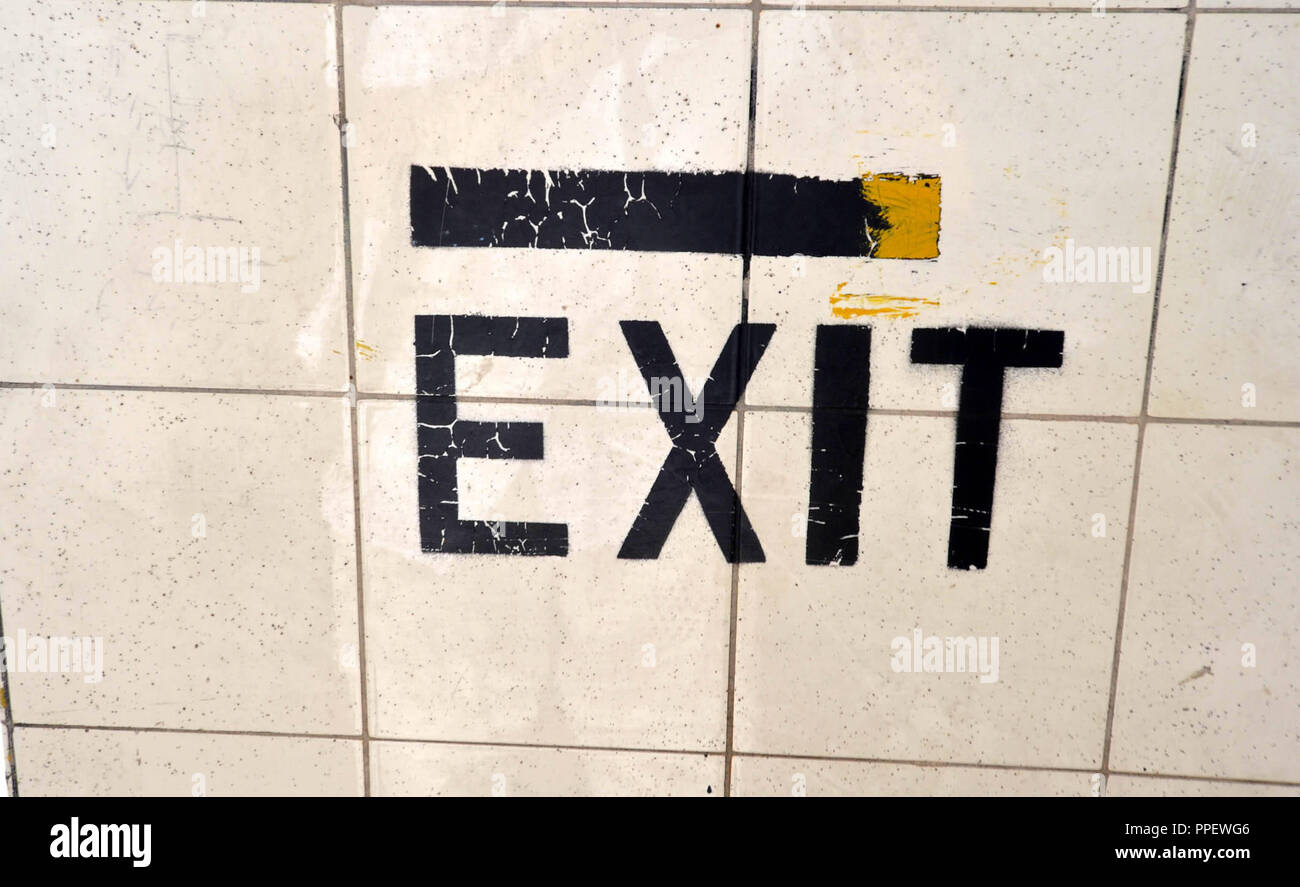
551	4
1190	778
191	731
352	400
182	389
741	407
973	765
10	762
1256	423
1259	423
1037	768
1171	7
733	611
746	222
475	743
1146	388
353	737
522	401
915	762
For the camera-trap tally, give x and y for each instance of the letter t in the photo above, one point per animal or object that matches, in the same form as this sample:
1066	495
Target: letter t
984	356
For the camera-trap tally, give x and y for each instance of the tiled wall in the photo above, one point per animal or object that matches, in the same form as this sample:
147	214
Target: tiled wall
213	484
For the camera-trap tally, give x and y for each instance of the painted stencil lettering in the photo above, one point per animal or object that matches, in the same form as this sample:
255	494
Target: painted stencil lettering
442	438
984	356
841	378
693	464
885	215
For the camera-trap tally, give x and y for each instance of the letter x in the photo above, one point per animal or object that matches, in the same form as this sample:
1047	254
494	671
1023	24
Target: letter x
693	463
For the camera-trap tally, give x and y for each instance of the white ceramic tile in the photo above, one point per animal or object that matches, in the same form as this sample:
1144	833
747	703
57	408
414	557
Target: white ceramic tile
1146	787
1225	341
198	546
586	649
122	763
814	650
1214	569
131	127
539	89
421	768
801	777
1051	142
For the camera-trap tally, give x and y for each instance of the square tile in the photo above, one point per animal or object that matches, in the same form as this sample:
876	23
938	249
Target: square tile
438	769
550	91
1146	787
173	212
1207	677
1012	112
583	649
188	546
1225	339
124	763
821	650
801	777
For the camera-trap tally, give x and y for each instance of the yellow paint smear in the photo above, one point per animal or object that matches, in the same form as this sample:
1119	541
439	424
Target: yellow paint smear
367	352
850	305
910	206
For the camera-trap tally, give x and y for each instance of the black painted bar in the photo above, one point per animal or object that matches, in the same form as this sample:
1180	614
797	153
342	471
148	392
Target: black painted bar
699	212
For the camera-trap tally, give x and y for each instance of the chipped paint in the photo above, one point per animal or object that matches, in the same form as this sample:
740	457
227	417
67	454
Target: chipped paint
885	215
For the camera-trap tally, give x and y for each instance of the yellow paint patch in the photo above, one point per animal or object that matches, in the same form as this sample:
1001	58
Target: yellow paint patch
366	352
850	305
910	206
